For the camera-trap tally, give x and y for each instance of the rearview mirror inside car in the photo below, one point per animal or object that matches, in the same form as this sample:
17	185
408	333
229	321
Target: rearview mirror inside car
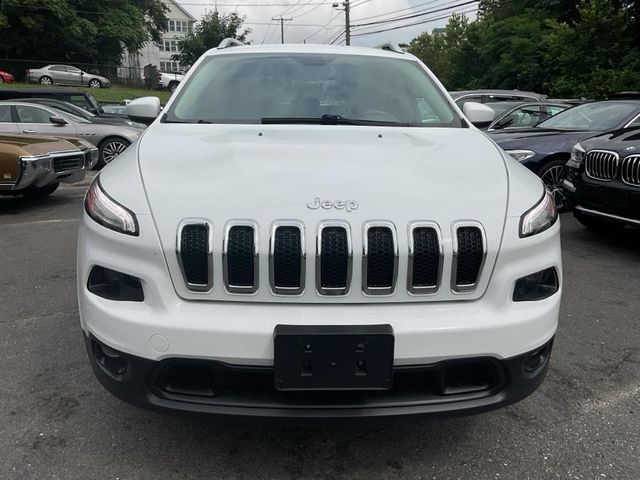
478	114
144	109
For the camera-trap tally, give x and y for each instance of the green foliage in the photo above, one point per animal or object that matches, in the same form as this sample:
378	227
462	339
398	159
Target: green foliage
79	31
564	48
213	28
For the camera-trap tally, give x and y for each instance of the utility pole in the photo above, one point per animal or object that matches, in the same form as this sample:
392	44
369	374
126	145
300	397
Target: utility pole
281	20
347	20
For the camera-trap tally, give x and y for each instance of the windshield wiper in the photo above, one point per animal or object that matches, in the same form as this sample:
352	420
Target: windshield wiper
328	120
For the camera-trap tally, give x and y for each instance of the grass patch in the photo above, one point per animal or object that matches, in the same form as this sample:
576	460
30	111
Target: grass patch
115	94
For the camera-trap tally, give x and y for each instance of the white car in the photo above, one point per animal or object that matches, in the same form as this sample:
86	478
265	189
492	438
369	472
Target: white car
317	231
169	80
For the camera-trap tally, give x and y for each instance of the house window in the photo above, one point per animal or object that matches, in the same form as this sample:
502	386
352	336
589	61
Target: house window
172	26
169	46
170	67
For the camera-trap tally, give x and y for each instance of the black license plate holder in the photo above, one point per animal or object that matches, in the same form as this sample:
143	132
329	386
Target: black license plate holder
354	357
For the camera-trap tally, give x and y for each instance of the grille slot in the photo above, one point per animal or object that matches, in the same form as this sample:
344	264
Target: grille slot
334	259
425	259
631	170
287	270
380	259
240	257
602	165
468	257
194	255
66	164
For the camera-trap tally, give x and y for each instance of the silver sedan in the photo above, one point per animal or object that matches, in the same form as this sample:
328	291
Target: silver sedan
29	118
66	75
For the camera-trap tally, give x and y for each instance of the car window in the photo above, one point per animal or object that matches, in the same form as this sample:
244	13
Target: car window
636	122
27	114
78	100
5	114
522	117
245	88
555	109
596	116
57	68
72	69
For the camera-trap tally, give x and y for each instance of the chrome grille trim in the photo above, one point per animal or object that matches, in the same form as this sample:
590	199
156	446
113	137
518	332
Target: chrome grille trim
366	289
424	290
240	289
196	287
631	170
602	165
288	291
456	287
333	291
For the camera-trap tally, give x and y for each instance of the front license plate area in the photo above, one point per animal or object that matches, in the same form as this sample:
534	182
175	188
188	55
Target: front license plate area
354	357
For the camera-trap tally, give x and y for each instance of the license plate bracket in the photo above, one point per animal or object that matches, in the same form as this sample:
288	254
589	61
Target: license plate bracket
327	357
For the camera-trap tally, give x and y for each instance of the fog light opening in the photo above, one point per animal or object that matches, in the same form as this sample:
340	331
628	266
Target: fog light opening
112	285
537	286
109	359
537	359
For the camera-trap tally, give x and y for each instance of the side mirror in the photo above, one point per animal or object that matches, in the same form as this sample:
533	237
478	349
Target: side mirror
57	120
144	110
478	114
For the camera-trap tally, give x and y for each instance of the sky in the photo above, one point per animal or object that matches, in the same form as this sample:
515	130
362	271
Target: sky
316	21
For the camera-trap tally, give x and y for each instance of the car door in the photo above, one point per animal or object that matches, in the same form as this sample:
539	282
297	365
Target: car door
74	75
7	125
35	120
58	73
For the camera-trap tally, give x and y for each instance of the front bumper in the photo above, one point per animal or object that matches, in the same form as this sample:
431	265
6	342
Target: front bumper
448	387
612	201
41	170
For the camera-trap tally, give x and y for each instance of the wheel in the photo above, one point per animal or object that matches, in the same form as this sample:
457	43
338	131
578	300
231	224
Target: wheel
40	192
552	175
599	225
173	86
95	83
110	148
45	80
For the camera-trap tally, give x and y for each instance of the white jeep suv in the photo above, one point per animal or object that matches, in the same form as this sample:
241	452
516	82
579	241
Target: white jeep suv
317	231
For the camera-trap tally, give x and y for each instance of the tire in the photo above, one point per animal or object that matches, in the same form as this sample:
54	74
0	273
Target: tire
45	80
552	175
40	192
173	86
598	225
110	148
95	83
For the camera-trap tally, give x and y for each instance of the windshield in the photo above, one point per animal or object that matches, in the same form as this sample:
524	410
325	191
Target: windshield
277	88
597	116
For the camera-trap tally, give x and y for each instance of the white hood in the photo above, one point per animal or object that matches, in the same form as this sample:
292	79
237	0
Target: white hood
266	173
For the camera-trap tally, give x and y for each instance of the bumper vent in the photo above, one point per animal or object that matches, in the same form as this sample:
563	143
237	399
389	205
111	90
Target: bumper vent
380	260
631	170
334	259
194	254
241	258
287	259
425	259
602	165
469	253
68	164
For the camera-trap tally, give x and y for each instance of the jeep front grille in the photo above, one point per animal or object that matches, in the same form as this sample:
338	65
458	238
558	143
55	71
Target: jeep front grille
602	165
425	258
630	169
334	256
240	257
195	254
468	256
287	258
379	258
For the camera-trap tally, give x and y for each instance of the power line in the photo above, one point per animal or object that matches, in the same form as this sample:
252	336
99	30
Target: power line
282	20
416	15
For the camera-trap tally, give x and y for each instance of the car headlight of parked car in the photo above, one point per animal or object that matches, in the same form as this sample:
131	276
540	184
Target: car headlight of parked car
539	218
109	213
521	155
577	156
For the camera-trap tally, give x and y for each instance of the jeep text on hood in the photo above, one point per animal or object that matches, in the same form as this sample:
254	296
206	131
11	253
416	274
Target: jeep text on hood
304	231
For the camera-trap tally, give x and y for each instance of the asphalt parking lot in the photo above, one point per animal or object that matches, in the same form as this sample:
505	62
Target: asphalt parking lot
56	421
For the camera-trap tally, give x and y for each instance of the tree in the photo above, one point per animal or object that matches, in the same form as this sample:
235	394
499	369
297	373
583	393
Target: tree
213	28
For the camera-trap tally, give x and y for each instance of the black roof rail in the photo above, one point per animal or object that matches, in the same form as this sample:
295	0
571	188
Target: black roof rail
624	96
391	47
230	42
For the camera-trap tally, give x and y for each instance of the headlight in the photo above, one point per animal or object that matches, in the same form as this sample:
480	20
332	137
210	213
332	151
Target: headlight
542	216
109	213
521	155
577	156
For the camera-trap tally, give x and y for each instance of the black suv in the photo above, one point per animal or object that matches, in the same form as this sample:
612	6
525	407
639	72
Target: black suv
605	172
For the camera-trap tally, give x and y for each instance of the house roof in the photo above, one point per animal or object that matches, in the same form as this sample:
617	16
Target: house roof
181	8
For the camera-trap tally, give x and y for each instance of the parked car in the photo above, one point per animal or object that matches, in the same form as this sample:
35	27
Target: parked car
546	147
305	245
115	108
492	96
527	115
31	118
6	77
604	172
34	166
169	80
81	112
79	98
66	75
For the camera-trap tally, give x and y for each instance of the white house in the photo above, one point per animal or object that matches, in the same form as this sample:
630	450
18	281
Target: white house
179	22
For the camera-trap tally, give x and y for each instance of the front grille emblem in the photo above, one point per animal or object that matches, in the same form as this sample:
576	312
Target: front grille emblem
346	205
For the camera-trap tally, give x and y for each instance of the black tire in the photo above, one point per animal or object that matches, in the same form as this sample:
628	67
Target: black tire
552	174
599	225
173	86
110	148
45	80
40	192
95	83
